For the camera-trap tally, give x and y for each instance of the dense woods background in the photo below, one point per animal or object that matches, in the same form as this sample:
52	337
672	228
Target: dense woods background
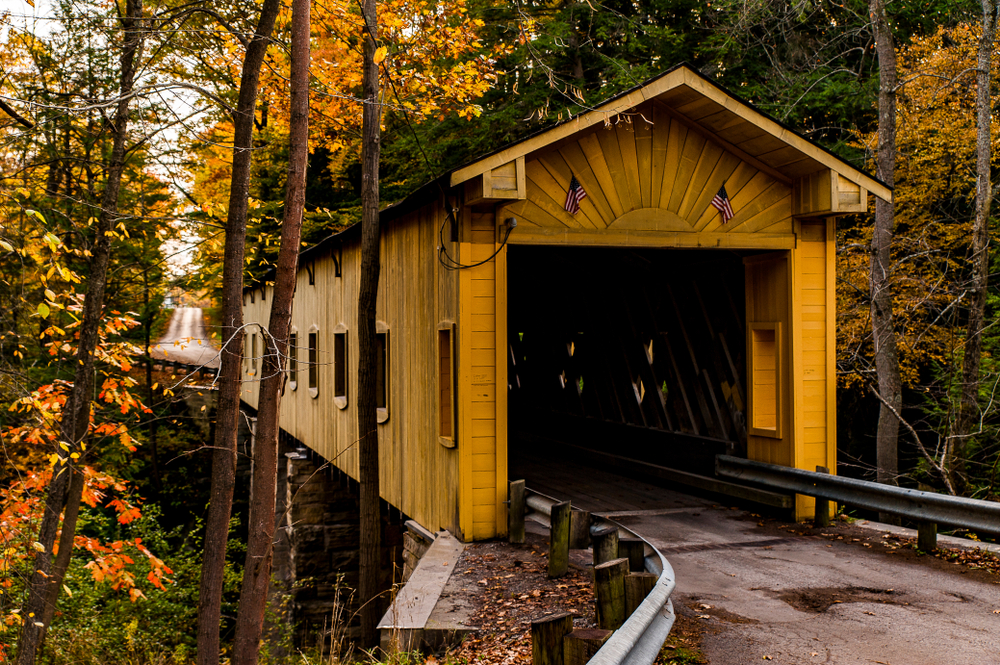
459	79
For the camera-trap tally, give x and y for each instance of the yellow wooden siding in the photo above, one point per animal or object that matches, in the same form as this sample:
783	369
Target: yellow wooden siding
654	162
767	300
813	353
478	386
417	296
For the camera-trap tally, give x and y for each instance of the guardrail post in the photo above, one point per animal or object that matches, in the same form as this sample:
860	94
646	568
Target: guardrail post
637	587
609	590
515	512
634	550
547	638
927	536
559	539
581	644
579	530
605	543
822	518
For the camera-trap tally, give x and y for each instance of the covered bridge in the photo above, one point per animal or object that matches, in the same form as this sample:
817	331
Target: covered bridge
686	307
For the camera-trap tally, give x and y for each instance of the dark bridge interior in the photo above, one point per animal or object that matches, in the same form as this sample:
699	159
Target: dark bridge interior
640	353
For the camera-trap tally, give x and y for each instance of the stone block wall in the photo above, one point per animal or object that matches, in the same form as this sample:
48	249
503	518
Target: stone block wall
316	554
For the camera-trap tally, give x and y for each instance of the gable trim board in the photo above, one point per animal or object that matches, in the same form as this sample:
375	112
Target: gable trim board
649	184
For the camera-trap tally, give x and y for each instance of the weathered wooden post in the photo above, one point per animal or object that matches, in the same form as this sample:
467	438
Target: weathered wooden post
605	543
547	638
515	512
927	536
637	587
559	539
822	518
579	530
609	592
633	549
580	645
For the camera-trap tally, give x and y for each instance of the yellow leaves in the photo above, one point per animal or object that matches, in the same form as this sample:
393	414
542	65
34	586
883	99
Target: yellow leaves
380	53
43	310
37	546
6	245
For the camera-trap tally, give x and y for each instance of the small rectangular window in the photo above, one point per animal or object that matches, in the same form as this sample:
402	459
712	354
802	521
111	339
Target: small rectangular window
381	370
313	362
765	372
293	360
340	369
446	422
253	353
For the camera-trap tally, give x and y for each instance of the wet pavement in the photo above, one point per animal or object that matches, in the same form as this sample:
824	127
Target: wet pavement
764	594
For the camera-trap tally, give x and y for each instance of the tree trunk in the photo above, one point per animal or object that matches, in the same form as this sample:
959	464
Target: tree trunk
76	413
66	537
968	414
228	410
883	328
367	297
257	570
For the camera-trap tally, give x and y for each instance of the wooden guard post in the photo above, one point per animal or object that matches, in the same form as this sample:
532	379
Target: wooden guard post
633	549
547	638
927	536
609	590
822	518
516	511
559	539
579	530
637	587
580	644
605	544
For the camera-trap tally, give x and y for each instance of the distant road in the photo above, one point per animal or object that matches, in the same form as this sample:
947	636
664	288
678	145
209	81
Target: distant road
186	341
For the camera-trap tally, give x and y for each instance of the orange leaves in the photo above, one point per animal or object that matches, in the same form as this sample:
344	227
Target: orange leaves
429	50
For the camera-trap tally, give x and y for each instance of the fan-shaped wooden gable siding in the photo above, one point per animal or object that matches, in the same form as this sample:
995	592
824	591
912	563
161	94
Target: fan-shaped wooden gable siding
647	174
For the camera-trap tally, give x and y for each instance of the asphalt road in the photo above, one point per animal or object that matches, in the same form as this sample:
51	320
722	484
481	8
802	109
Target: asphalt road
186	341
763	594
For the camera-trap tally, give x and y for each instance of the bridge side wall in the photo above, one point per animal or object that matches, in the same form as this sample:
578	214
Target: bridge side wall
419	475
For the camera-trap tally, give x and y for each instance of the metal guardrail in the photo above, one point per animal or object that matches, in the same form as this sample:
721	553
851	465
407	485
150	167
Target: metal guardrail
639	640
925	507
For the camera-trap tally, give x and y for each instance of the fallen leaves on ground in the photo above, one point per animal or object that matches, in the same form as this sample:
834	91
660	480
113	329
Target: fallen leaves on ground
516	590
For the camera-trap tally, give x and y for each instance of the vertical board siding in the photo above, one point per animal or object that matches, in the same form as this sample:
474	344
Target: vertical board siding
767	300
478	372
813	341
418	475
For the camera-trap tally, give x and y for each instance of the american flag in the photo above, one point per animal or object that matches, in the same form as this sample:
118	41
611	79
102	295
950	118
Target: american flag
574	196
721	203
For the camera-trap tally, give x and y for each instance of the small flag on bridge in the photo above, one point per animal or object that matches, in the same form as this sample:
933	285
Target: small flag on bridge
721	203
574	196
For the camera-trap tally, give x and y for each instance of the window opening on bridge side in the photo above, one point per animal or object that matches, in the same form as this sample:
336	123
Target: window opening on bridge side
382	371
446	386
765	379
253	353
313	361
293	359
340	375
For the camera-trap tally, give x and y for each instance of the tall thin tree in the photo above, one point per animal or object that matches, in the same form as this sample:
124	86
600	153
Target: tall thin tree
880	277
62	492
228	409
968	414
257	570
367	297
